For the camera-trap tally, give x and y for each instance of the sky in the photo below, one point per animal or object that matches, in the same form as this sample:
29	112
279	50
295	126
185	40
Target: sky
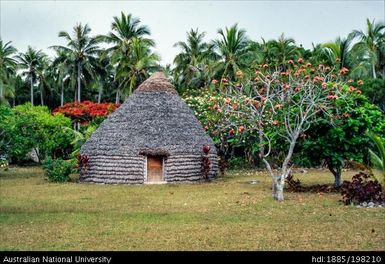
37	23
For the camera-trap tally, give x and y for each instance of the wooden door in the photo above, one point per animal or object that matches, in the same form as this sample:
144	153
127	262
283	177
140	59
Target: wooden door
154	169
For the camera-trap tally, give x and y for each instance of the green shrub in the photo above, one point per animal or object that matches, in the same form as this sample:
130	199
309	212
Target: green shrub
238	163
345	139
6	116
30	127
374	90
57	170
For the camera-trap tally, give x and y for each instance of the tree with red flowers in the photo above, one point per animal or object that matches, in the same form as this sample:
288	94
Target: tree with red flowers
85	112
285	103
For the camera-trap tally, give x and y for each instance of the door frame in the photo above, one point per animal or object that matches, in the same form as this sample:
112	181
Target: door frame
146	172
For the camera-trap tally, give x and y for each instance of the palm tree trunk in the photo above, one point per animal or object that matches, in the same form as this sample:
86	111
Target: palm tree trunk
100	94
374	71
117	97
31	83
62	94
79	72
41	96
1	90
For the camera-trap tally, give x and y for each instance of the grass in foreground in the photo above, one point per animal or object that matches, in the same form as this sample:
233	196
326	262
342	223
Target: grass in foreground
228	214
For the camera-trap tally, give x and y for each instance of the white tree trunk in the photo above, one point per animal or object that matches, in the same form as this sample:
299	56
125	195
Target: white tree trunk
62	94
117	97
278	185
374	71
31	84
79	73
279	180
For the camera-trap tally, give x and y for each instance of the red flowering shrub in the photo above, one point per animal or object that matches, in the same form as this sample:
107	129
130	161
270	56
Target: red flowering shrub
86	111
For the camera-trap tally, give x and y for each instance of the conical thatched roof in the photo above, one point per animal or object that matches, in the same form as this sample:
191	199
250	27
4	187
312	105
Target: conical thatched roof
153	120
153	117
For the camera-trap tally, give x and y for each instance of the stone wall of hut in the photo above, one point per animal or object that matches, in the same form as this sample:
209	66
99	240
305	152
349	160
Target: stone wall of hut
122	169
114	169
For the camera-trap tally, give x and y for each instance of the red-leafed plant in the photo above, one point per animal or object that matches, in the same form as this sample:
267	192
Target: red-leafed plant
361	189
223	165
84	112
206	162
83	163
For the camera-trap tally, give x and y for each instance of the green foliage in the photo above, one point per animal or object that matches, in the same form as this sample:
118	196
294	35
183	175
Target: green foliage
238	163
7	71
80	137
221	126
131	53
374	89
33	127
57	170
344	138
6	115
378	161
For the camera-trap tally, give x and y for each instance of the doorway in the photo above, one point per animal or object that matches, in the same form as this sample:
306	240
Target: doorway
154	169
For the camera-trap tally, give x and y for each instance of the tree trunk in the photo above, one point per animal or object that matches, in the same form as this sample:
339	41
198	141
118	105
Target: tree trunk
31	83
337	179
117	97
41	96
278	184
374	71
37	154
1	90
62	94
337	174
100	94
79	73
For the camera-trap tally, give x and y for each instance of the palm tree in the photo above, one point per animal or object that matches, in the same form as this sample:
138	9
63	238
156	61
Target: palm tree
255	54
339	50
191	63
279	51
7	70
371	44
232	46
65	72
31	62
285	48
104	70
124	30
81	49
135	68
378	161
43	75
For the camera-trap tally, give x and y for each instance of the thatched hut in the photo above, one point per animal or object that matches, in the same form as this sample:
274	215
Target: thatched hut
152	137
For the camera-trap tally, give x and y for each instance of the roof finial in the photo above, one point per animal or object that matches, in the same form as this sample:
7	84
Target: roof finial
156	83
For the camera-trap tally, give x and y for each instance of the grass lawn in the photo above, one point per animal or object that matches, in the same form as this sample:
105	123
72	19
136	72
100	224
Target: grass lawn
228	214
